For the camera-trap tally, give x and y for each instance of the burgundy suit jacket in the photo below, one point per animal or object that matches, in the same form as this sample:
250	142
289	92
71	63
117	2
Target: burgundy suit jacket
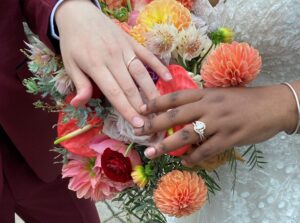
28	128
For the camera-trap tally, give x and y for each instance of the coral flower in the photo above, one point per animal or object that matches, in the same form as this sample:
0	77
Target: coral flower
165	12
180	193
231	65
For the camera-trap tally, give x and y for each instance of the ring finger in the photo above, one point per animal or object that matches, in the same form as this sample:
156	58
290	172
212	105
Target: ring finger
185	136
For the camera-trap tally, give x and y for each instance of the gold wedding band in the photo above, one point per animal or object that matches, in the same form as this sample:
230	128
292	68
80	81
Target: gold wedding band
130	61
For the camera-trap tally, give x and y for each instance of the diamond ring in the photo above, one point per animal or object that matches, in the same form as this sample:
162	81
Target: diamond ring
199	128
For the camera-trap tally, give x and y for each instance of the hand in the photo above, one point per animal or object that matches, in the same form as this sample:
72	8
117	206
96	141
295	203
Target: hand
233	117
94	48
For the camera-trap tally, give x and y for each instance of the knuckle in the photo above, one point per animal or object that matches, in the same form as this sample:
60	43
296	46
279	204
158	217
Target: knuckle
152	105
130	91
114	92
112	50
172	114
185	134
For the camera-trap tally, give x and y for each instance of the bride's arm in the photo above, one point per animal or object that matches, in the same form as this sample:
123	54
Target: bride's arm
233	117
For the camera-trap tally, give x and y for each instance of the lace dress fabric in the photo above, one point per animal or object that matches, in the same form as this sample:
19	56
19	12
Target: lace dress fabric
271	194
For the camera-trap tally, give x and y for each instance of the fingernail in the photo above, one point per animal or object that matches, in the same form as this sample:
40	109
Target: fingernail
138	122
150	152
143	108
168	77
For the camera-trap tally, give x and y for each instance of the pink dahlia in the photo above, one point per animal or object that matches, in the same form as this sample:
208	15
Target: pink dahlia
231	65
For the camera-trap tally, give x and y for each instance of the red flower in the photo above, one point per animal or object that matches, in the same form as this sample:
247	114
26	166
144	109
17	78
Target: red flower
181	81
116	166
80	144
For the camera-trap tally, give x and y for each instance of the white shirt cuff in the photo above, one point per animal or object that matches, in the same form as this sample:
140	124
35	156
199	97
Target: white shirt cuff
52	21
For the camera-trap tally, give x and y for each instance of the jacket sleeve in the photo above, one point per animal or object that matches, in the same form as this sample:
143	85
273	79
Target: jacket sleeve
37	15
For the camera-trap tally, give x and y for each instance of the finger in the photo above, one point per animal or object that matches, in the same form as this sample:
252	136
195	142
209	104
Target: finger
152	61
208	149
143	79
127	84
115	95
82	84
172	100
179	139
177	116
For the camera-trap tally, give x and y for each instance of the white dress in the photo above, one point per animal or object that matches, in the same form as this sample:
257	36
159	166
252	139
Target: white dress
272	194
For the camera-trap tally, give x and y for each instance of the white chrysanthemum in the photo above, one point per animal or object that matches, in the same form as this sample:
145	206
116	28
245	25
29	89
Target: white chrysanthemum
191	42
162	40
63	83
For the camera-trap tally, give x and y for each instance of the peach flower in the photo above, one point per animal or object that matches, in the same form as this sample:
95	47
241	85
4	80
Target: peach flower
180	193
231	65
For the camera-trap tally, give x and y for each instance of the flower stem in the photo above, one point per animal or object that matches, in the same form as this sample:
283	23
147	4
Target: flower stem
73	134
128	149
129	5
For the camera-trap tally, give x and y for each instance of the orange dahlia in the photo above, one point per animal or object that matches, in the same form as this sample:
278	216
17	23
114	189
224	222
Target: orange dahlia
138	33
165	12
231	65
180	193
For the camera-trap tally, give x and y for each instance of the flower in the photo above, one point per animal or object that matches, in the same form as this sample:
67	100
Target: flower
133	18
89	181
191	42
114	164
161	40
76	139
63	83
180	193
187	3
165	12
116	127
138	33
180	81
140	175
83	177
231	65
222	35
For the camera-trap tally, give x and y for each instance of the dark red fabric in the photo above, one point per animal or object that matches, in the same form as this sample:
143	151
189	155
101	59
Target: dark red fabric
34	200
29	129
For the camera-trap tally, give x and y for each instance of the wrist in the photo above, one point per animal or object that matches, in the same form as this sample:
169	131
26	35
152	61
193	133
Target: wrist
291	118
68	8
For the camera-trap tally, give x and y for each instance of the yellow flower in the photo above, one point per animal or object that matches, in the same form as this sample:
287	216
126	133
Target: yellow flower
227	34
138	33
165	12
140	175
222	35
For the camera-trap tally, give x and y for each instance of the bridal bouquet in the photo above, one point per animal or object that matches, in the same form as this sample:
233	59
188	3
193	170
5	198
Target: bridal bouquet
102	158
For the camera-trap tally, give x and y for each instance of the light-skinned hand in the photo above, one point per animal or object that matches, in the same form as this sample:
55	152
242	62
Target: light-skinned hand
95	49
